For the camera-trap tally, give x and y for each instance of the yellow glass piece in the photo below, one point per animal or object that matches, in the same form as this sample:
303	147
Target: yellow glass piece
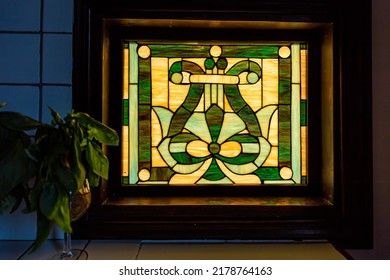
177	78
272	159
252	95
215	51
198	148
214	79
236	178
270	80
284	52
144	175
157	160
207	96
230	149
159	78
200	107
144	51
125	73
304	74
190	179
156	130
177	95
273	129
227	107
125	150
286	173
304	150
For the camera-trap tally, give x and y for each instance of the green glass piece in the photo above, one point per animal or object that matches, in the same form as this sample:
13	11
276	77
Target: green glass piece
244	138
303	113
125	110
125	180
240	159
191	67
284	81
163	148
187	168
252	51
214	173
178	121
234	97
239	67
214	118
265	150
184	158
214	148
193	51
303	46
175	68
284	135
222	63
144	81
144	135
160	174
209	63
241	169
304	180
184	138
268	173
248	116
193	97
255	67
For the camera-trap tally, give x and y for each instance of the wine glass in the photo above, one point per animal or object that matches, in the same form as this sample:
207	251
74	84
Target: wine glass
79	203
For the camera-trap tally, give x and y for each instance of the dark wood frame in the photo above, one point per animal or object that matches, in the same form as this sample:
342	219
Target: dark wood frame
336	206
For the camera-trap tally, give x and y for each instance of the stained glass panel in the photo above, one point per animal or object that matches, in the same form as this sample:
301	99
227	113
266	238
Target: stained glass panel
214	114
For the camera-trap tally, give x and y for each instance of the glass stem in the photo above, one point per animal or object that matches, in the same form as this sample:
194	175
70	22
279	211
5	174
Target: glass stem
67	249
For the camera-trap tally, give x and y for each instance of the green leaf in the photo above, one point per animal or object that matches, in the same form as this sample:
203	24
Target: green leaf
44	227
93	178
97	160
15	166
56	116
7	204
48	201
76	162
97	130
65	177
17	121
62	217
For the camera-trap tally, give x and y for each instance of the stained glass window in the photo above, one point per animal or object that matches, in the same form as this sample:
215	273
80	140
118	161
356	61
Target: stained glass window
201	113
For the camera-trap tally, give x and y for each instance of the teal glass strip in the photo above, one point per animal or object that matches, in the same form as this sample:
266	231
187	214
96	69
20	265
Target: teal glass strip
125	111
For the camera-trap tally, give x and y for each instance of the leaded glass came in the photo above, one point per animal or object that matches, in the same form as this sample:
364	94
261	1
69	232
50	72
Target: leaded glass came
214	113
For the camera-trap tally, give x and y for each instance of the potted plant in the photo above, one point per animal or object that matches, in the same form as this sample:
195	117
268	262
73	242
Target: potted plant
63	156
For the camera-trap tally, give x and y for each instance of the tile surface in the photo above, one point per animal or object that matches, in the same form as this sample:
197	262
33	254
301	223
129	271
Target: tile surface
238	251
113	249
12	250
